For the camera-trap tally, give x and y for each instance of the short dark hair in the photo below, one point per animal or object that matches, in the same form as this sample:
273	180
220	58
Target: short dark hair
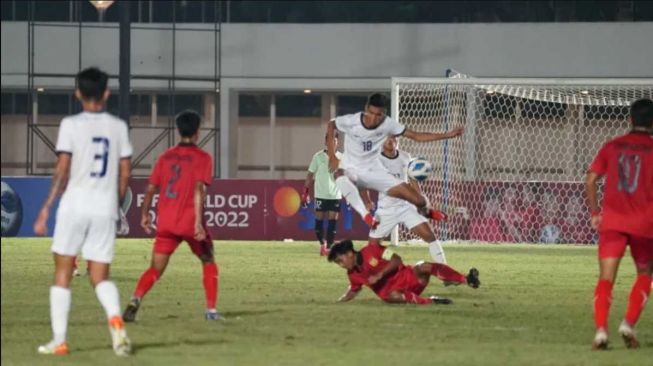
92	83
188	122
378	100
641	112
340	248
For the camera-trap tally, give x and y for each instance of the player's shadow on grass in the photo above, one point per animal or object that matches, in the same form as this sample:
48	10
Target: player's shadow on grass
244	313
140	346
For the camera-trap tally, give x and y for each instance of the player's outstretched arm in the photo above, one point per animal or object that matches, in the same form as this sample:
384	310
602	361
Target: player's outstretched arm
591	191
331	146
348	296
146	222
199	197
58	185
432	136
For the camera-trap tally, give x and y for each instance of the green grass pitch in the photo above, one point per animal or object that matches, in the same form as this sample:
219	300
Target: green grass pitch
534	308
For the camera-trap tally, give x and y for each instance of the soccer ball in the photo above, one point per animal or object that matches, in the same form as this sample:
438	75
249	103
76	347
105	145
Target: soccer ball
12	211
419	169
550	234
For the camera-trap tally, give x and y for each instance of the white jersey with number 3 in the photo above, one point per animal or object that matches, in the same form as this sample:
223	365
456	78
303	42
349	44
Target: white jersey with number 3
363	145
97	142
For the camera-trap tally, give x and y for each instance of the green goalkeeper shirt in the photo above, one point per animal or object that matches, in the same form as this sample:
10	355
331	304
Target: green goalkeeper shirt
324	186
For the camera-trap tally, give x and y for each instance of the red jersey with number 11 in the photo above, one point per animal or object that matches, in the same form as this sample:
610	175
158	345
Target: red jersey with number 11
176	172
627	162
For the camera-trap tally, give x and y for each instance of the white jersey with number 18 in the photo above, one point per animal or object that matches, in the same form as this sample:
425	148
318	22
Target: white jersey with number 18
97	142
363	145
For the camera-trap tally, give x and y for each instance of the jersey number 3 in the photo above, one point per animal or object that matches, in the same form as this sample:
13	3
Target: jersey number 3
103	156
629	167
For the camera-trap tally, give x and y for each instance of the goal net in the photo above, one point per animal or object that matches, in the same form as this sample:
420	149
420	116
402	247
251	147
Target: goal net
516	175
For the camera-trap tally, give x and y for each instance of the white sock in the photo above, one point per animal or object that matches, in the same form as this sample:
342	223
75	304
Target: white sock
351	194
437	253
107	293
59	309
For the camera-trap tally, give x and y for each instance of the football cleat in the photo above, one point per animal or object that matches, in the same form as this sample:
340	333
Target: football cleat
53	348
600	340
213	315
121	344
472	278
132	308
436	215
440	300
628	335
371	221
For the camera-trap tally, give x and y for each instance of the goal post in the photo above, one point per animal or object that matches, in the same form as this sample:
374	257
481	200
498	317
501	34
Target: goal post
517	173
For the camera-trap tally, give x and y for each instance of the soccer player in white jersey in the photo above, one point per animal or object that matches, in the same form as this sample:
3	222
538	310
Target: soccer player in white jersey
392	211
91	175
365	133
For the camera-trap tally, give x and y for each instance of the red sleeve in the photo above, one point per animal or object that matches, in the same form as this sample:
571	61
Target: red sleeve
354	284
600	163
155	177
207	175
204	172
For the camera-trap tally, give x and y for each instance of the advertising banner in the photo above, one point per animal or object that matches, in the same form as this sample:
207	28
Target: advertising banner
519	212
234	210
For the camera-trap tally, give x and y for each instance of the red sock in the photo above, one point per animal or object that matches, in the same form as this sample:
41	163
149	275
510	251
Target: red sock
446	273
638	296
211	284
413	298
146	282
602	301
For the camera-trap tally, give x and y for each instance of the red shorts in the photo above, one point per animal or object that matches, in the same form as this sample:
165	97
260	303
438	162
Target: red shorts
166	243
612	244
405	280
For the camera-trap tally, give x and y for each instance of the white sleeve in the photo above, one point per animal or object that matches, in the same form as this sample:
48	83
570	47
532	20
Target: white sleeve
126	150
342	123
395	128
65	137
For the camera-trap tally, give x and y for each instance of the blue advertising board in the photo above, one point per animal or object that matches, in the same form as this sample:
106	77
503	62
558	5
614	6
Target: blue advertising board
22	198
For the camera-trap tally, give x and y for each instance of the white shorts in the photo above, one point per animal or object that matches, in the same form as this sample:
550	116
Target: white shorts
377	179
93	236
406	214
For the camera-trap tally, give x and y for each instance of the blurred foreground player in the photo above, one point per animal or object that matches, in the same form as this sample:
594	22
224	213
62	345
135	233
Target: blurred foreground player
327	197
182	172
382	270
625	220
92	172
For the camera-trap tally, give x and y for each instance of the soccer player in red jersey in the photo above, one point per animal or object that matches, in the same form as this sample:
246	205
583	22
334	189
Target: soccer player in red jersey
378	268
182	173
626	219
